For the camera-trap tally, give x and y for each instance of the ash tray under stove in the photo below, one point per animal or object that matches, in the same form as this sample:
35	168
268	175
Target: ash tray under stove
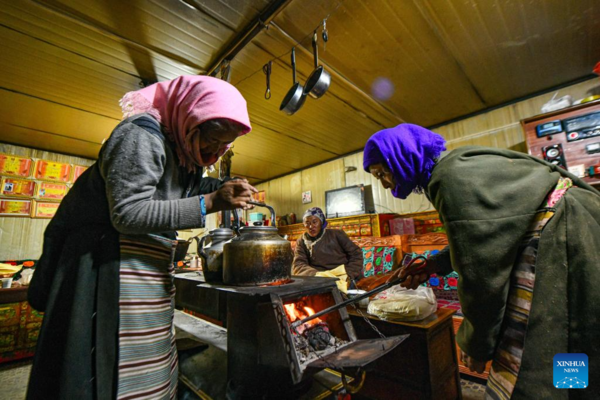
358	353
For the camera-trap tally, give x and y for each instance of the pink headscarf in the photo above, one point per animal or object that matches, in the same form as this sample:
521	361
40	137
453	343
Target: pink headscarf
181	104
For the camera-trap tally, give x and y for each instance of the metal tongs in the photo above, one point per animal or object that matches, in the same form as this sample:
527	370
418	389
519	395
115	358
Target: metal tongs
356	299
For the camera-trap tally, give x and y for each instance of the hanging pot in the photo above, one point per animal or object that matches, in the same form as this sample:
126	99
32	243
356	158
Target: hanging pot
318	82
258	256
295	97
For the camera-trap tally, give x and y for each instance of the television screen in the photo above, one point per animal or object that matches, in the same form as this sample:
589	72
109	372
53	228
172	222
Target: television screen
353	200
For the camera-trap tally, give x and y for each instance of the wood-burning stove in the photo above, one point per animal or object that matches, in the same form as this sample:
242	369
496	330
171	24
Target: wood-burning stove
266	357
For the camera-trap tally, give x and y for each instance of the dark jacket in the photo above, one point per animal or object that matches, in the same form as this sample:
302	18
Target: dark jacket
487	199
333	249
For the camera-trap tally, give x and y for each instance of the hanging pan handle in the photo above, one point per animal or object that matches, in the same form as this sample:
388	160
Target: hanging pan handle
267	71
294	64
315	50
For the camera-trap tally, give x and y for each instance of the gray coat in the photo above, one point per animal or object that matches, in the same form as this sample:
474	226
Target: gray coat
136	187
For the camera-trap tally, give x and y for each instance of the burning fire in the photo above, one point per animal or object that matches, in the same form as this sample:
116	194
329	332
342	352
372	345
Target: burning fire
297	311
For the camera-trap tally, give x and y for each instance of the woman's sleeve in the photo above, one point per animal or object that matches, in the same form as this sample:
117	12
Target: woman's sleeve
132	164
300	265
442	261
354	266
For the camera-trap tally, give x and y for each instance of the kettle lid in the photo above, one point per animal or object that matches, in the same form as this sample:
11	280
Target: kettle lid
259	228
221	232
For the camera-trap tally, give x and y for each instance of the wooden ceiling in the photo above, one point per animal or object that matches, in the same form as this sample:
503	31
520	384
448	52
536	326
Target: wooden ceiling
66	63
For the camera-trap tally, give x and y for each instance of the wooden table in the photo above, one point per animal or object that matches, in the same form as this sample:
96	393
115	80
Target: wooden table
425	366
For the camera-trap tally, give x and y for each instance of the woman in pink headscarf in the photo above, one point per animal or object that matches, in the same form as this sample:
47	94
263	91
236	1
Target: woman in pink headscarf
104	279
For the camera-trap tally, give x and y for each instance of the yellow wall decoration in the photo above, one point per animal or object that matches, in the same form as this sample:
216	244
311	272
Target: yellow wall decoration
12	165
15	208
52	171
51	191
44	209
15	187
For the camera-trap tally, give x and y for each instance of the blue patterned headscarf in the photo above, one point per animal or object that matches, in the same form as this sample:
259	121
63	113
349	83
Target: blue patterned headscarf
409	151
317	212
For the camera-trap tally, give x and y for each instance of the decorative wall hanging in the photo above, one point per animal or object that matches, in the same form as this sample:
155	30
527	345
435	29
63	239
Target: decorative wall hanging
15	187
52	171
14	165
15	208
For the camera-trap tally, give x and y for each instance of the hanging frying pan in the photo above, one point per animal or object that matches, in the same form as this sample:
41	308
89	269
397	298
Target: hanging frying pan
318	82
295	97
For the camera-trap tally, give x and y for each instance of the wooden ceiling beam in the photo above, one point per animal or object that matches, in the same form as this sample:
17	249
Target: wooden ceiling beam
248	33
88	24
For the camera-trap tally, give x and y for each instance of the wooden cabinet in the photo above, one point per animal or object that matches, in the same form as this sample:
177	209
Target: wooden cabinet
424	366
19	325
355	226
419	243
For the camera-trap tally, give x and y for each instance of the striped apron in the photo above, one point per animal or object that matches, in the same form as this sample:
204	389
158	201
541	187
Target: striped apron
507	359
148	366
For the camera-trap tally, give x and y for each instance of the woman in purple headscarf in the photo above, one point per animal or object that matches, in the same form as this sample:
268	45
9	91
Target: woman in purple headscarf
524	237
321	249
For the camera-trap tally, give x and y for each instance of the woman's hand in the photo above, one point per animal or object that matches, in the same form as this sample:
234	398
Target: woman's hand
415	273
471	363
233	194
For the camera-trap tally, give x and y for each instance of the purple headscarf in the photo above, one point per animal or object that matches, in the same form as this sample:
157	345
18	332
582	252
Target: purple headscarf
317	212
409	151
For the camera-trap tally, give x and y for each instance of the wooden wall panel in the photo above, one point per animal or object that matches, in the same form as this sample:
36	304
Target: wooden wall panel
22	237
498	128
55	124
501	128
321	178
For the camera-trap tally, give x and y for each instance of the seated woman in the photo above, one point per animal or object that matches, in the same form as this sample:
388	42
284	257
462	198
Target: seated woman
320	249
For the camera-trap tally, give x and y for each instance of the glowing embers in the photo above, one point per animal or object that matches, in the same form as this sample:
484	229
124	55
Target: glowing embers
278	283
312	337
299	310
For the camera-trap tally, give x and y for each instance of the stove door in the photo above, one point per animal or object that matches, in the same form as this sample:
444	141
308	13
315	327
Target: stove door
358	353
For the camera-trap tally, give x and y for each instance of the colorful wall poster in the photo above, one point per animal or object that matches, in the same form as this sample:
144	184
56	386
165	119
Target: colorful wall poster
77	171
15	165
51	191
15	208
15	187
52	171
44	209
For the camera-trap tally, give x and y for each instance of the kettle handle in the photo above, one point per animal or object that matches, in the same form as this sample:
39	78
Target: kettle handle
273	217
236	222
200	247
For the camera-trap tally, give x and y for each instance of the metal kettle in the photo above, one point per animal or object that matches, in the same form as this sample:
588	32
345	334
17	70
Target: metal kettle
212	254
257	256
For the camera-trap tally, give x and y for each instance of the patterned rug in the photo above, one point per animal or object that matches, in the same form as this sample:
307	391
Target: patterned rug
472	390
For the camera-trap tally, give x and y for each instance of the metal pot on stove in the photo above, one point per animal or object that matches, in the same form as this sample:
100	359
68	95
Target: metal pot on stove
257	256
212	254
